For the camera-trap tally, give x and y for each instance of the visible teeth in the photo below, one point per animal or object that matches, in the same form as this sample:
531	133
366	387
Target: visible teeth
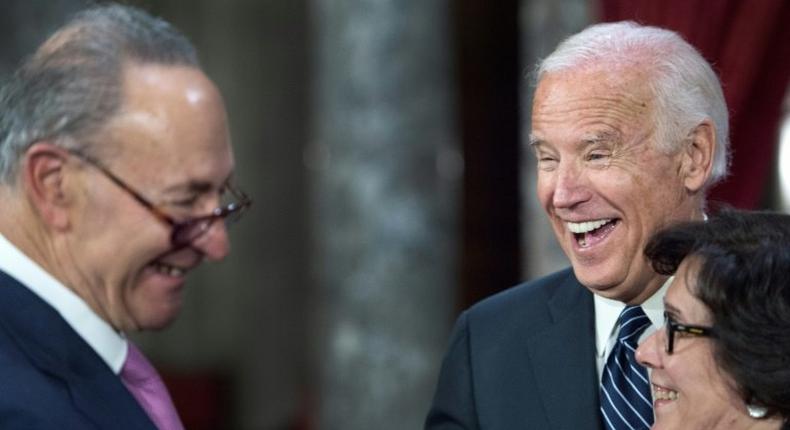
584	227
169	270
664	394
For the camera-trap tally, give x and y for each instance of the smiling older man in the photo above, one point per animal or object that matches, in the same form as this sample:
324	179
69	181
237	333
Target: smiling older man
629	128
115	167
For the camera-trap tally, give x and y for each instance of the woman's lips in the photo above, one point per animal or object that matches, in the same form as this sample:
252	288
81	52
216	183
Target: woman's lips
663	394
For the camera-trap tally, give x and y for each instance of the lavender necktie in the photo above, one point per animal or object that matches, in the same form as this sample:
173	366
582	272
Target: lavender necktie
147	387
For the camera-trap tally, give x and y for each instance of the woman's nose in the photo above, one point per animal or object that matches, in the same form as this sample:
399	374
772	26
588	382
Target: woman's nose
649	351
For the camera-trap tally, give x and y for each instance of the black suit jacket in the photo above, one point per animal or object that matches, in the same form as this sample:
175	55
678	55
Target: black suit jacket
522	359
49	377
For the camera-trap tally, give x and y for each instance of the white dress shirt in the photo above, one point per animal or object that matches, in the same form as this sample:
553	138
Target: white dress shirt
108	343
606	313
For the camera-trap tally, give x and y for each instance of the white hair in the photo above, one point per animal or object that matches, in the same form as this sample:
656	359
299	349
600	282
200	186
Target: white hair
686	88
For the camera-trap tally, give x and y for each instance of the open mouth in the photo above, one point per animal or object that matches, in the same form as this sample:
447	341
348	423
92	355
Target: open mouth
168	270
661	393
589	233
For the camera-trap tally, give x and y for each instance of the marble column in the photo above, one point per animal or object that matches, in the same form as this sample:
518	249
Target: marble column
385	181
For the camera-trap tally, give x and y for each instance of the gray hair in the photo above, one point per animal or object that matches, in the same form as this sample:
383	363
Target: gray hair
686	88
72	85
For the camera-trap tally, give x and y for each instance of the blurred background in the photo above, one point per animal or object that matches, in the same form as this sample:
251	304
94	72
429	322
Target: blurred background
381	141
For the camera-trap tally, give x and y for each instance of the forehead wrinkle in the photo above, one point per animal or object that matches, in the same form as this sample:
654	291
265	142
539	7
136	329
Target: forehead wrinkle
603	111
622	107
604	120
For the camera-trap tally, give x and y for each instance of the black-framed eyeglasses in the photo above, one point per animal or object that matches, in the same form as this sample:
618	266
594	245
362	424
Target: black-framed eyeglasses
673	327
186	231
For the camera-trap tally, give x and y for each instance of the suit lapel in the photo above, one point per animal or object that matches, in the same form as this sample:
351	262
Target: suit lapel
563	356
56	349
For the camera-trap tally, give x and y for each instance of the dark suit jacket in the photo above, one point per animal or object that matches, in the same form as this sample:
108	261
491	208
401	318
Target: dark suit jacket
522	359
49	377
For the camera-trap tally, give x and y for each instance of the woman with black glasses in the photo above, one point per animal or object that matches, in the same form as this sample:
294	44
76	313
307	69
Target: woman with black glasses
722	360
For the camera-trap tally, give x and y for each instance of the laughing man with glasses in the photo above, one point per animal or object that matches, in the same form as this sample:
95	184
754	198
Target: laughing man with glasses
115	183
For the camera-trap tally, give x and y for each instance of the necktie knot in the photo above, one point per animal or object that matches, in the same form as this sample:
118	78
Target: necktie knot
137	369
632	323
143	381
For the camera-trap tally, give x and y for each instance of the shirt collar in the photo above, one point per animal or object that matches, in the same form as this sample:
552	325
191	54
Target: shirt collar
607	311
108	344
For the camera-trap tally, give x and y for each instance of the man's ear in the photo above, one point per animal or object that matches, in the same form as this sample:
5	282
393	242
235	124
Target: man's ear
43	178
699	149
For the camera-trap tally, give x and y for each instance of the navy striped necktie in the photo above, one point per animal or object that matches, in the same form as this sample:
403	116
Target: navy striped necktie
626	402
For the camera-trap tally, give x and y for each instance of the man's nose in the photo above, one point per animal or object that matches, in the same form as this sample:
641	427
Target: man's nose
570	187
214	243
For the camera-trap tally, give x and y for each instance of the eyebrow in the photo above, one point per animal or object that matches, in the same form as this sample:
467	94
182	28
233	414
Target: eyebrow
194	186
671	310
600	137
589	139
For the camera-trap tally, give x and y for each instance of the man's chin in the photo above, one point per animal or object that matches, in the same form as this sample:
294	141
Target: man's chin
157	322
614	291
604	286
157	316
156	301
